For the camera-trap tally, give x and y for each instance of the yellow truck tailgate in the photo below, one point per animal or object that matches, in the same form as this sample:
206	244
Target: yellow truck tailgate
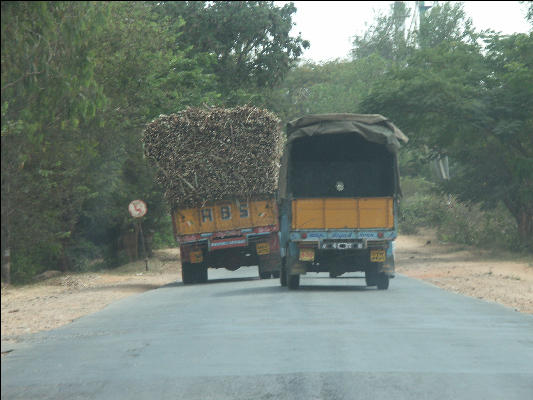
225	216
343	213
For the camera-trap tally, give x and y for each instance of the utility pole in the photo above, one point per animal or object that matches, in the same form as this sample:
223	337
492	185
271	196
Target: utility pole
422	7
441	163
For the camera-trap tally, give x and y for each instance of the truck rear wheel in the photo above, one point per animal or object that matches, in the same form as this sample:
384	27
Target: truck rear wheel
187	273
382	281
293	281
264	275
201	276
283	274
370	278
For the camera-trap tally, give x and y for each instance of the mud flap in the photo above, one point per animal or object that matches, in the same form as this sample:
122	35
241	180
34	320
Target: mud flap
298	268
294	265
388	265
270	262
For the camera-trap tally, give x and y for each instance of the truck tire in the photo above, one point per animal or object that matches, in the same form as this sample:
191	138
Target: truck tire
382	281
283	274
370	278
264	275
187	273
202	274
293	282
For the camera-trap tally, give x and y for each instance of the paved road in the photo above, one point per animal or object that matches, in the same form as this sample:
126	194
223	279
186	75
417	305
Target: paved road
237	337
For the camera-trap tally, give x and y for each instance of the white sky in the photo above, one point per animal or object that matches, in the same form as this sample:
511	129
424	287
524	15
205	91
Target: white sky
330	25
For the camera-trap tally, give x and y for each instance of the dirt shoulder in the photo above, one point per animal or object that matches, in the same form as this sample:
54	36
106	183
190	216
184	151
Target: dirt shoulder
58	301
495	277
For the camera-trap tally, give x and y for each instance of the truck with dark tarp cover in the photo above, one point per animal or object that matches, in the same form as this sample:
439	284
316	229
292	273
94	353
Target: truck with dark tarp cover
339	188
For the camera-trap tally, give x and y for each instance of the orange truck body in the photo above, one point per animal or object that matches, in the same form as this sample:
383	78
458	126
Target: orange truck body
343	213
228	234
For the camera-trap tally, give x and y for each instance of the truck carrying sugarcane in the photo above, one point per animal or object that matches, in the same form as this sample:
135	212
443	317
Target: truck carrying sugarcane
219	168
339	189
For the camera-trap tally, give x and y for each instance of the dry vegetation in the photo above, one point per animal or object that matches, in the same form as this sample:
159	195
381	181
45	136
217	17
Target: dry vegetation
203	155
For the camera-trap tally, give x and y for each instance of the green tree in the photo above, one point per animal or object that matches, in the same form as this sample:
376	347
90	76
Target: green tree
144	74
446	22
529	13
508	150
336	86
476	108
48	92
79	81
389	36
249	41
396	35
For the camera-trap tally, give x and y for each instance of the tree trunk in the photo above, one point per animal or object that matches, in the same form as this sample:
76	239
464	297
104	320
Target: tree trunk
523	215
6	267
64	262
524	220
130	242
6	251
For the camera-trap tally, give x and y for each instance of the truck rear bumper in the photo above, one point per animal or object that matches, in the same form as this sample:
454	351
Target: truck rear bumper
233	252
376	256
209	236
322	235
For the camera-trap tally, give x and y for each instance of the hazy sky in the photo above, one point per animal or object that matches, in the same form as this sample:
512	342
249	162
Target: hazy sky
330	25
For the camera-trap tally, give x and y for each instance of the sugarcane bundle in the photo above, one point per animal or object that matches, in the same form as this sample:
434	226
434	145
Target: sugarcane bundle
204	155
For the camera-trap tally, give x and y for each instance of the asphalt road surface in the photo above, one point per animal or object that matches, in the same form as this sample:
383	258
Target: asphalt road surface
238	337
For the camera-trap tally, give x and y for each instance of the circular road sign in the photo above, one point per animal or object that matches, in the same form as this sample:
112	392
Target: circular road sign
137	208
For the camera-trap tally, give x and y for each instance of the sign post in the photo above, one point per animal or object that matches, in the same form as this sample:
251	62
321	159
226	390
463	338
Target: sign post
137	209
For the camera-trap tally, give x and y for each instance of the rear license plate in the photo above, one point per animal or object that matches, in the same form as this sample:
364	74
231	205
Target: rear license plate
196	257
307	254
262	248
377	255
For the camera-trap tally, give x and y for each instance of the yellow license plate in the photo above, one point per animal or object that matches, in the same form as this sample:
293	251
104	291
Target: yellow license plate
196	257
262	248
377	255
307	254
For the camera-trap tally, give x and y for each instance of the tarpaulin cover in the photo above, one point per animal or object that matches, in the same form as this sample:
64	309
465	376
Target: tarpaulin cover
374	128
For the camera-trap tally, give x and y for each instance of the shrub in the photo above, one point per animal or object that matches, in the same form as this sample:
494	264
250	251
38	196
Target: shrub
33	260
85	256
421	206
164	235
470	224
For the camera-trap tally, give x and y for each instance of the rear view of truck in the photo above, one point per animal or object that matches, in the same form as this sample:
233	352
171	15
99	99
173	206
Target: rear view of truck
219	168
339	187
229	235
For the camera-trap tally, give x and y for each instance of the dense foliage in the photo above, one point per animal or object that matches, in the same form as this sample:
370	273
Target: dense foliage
248	42
476	107
80	80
